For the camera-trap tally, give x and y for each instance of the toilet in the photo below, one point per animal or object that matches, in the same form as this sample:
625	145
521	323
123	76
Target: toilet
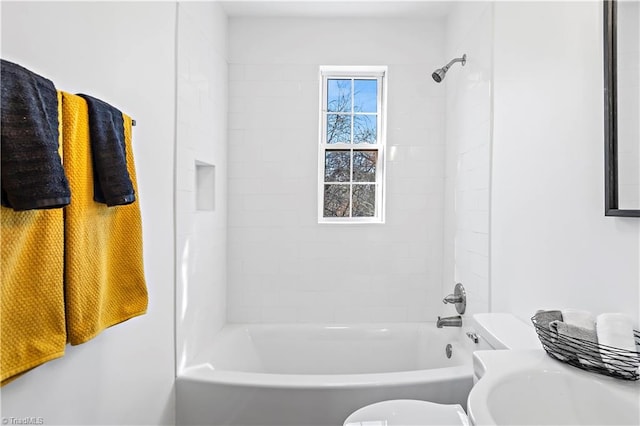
408	412
500	331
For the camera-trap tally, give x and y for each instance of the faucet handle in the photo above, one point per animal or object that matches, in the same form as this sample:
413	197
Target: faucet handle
452	298
473	336
459	298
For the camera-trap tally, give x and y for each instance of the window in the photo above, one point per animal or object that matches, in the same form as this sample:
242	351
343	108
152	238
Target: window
351	154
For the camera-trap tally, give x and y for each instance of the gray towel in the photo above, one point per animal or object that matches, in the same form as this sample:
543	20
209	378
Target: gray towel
573	331
587	352
544	318
32	172
111	181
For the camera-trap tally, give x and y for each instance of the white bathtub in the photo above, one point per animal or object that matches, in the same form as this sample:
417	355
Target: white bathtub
280	375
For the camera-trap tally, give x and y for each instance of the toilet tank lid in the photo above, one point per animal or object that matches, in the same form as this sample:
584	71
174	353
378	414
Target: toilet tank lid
506	331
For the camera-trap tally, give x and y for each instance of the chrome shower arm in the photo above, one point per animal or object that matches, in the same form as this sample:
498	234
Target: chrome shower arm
454	60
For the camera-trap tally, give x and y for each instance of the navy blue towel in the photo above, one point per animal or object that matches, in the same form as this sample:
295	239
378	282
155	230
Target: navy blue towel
111	181
32	172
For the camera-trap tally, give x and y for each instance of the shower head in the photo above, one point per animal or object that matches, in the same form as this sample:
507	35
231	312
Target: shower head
438	75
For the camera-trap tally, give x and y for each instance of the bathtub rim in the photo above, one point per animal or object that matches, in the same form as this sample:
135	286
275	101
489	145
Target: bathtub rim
205	373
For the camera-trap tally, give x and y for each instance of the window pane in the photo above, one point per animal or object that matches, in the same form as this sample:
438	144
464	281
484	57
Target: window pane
365	128
338	95
365	96
364	200
338	128
364	166
337	166
336	201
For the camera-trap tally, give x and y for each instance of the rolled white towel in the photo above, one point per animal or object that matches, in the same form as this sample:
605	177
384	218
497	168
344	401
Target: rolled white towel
616	330
579	318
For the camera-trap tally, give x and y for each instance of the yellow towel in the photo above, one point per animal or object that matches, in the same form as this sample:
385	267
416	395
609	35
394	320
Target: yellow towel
104	276
32	321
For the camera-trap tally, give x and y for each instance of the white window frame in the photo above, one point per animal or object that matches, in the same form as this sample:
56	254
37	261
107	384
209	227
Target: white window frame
354	72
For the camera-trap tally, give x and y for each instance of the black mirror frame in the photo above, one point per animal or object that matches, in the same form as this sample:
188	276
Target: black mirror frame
611	115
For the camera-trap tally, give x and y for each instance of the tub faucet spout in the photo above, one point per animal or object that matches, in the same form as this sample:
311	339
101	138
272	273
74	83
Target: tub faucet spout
449	322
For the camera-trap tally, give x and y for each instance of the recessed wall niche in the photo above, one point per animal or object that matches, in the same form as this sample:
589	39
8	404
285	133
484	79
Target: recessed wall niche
205	186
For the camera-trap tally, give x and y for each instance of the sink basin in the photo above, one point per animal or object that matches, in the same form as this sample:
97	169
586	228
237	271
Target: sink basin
553	397
530	388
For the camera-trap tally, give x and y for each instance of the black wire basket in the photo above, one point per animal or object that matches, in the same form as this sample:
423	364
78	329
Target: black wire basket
590	356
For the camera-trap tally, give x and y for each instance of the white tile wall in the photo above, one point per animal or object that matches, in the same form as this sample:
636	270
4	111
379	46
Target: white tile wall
201	236
282	265
468	108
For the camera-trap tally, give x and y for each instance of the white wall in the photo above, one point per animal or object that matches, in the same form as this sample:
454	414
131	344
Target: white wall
283	266
468	153
124	54
201	137
551	245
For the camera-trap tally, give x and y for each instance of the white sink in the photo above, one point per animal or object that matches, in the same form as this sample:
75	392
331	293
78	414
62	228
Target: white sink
530	388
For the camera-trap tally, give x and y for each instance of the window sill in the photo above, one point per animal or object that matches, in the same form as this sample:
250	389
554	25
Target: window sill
350	221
